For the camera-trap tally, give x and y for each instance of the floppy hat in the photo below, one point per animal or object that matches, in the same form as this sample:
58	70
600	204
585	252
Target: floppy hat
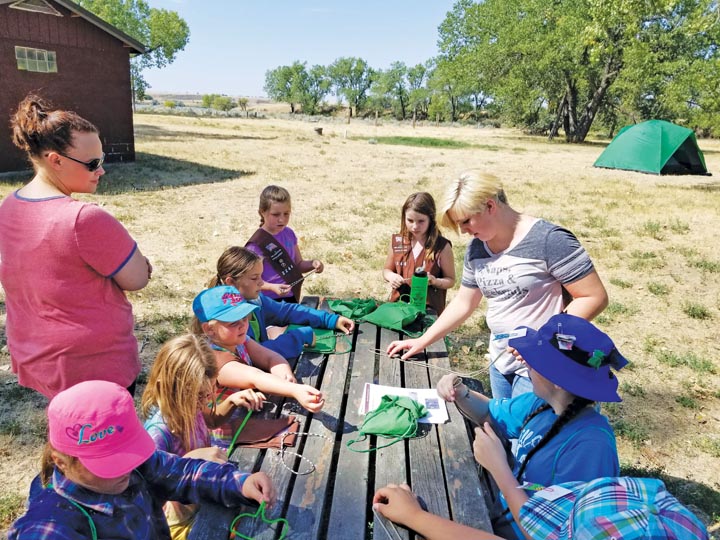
223	303
609	508
573	354
95	421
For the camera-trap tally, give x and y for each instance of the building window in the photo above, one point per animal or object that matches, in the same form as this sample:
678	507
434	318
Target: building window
36	6
35	60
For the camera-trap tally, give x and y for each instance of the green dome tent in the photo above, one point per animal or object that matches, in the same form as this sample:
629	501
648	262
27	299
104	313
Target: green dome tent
656	147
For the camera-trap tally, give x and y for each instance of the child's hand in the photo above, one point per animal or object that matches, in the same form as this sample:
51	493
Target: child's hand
488	450
281	289
345	325
318	266
250	399
446	387
209	453
310	398
258	487
397	503
396	281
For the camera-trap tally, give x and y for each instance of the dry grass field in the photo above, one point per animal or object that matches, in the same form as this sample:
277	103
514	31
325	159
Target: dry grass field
194	190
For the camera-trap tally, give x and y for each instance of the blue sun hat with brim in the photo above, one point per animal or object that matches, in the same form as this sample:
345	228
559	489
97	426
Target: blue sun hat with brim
573	354
223	303
609	508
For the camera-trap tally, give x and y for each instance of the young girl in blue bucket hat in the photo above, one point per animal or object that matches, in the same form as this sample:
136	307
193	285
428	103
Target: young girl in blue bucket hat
561	435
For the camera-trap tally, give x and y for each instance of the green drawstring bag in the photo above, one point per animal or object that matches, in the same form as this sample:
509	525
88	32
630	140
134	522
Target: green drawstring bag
353	308
395	316
396	418
326	341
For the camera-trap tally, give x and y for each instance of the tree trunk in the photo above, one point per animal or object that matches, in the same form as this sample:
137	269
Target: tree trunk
414	118
610	73
559	115
570	122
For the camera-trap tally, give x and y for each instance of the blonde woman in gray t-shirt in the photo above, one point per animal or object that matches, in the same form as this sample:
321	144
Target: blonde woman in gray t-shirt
526	268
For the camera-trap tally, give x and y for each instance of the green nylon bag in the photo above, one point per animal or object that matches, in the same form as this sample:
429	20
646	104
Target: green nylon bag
395	316
396	418
353	308
326	341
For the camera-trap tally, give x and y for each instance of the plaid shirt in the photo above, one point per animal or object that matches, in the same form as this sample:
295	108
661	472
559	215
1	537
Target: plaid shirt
134	514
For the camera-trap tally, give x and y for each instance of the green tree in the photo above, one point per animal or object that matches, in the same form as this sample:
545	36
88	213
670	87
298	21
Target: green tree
352	78
555	63
393	86
163	32
242	103
311	86
418	92
207	100
279	85
222	103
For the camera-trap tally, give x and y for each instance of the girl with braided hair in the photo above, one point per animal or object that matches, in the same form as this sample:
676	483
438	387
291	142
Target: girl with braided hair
561	435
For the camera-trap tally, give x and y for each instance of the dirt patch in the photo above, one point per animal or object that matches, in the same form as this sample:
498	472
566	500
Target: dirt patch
194	191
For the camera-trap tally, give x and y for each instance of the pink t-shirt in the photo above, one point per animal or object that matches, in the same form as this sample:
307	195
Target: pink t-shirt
288	240
67	319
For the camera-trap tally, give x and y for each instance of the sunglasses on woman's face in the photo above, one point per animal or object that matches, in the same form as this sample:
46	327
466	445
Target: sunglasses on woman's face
92	165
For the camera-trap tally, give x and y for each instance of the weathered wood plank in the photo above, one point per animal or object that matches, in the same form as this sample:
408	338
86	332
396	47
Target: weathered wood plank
390	462
426	469
348	518
465	490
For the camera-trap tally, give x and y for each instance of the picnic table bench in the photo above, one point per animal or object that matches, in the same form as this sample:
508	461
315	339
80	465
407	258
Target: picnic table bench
335	500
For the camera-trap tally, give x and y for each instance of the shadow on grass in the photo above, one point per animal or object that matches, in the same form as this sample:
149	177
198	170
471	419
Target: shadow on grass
151	172
701	499
148	133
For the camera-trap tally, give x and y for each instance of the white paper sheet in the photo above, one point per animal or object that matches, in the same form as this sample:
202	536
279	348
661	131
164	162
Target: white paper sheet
437	410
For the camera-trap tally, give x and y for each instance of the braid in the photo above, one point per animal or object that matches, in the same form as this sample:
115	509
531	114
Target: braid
572	410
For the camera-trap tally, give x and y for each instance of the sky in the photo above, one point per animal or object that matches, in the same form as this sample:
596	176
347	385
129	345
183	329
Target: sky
234	42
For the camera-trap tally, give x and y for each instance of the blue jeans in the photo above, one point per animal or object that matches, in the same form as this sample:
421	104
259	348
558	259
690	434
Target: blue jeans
507	386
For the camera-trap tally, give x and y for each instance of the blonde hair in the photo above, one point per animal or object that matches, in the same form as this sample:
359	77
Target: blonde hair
234	262
468	194
184	367
272	194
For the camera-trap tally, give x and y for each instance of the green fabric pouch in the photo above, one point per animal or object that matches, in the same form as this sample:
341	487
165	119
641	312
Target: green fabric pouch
353	308
326	341
395	316
396	418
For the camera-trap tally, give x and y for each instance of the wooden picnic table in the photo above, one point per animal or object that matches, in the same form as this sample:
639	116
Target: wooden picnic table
335	500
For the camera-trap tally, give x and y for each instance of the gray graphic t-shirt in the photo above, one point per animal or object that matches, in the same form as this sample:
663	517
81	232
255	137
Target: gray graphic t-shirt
523	285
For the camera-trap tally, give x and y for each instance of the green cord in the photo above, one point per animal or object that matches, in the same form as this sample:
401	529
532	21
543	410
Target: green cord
93	530
260	513
237	433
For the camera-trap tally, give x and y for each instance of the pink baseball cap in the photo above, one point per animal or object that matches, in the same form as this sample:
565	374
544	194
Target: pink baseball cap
96	422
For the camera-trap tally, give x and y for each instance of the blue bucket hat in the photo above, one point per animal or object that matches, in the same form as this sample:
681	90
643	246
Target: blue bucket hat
224	303
573	354
609	508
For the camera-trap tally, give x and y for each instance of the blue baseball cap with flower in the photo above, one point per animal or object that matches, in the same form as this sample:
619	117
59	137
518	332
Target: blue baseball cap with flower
223	303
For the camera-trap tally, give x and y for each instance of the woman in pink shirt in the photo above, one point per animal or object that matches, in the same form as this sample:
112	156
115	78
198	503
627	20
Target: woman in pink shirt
65	264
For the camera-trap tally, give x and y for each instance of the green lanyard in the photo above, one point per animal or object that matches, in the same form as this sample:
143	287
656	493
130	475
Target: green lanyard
255	327
260	513
93	530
